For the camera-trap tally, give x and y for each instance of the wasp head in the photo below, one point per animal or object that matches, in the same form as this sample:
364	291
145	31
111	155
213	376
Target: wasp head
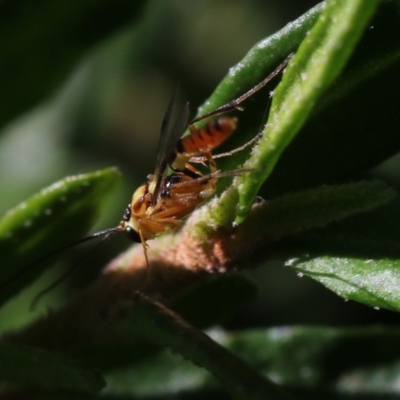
128	225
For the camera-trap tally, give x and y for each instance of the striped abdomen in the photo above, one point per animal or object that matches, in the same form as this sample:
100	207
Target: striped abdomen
208	137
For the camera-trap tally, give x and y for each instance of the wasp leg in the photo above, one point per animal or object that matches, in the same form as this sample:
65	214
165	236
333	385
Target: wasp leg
252	141
158	224
234	104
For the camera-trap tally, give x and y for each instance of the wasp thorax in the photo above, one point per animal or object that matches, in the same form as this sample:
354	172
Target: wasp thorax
141	200
179	160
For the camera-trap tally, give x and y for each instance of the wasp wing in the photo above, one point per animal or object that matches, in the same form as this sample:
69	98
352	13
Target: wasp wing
167	142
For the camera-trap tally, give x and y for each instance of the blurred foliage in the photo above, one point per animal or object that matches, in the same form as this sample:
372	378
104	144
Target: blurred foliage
41	44
85	87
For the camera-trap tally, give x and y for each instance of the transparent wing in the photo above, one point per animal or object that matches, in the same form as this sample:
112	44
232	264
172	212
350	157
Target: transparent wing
180	126
168	140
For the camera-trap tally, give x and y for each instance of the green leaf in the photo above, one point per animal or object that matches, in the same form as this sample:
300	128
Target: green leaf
375	282
33	367
318	61
352	360
319	54
298	212
355	124
372	235
35	64
155	323
258	63
261	60
204	304
48	220
357	258
302	211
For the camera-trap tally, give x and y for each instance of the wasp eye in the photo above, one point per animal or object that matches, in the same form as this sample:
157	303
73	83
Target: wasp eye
127	214
132	234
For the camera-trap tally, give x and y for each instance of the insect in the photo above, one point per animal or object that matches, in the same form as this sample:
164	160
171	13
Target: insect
166	198
160	204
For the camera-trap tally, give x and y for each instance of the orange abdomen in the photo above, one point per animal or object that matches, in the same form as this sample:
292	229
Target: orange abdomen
208	137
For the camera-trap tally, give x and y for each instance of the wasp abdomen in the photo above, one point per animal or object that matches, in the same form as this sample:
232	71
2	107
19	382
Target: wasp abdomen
207	138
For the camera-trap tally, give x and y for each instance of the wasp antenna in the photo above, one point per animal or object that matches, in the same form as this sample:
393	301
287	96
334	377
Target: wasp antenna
108	233
57	251
229	153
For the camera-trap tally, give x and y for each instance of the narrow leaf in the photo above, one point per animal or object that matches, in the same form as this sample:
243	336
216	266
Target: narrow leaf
312	359
375	282
154	322
319	60
48	220
370	236
302	211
